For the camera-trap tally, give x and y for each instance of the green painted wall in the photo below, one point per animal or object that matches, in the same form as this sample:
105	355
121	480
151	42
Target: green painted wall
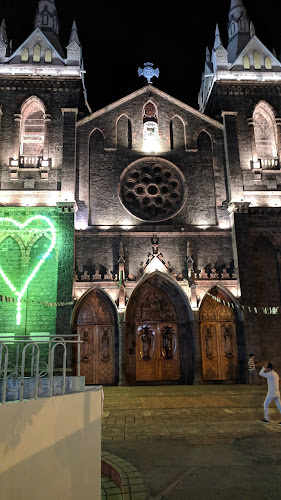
20	252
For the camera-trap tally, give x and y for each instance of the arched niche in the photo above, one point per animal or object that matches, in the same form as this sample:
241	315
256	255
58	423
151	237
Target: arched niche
158	333
95	320
33	128
124	132
265	131
177	134
42	288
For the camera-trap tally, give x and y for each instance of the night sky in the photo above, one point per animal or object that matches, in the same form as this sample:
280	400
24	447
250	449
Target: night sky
118	38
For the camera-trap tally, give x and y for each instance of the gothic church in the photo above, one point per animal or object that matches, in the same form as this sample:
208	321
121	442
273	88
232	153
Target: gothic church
160	222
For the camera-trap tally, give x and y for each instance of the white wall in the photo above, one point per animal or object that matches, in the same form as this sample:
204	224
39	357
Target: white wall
50	448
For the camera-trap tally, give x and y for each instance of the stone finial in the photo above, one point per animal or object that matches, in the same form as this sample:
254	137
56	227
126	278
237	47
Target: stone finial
217	42
74	35
3	32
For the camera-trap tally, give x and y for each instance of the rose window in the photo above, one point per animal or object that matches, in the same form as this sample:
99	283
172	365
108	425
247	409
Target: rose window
152	190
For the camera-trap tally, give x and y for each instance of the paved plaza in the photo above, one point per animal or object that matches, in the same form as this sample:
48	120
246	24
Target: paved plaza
180	442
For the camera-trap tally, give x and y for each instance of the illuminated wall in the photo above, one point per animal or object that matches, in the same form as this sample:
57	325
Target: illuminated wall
34	246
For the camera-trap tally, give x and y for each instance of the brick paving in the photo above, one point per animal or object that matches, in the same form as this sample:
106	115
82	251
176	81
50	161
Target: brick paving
193	442
198	414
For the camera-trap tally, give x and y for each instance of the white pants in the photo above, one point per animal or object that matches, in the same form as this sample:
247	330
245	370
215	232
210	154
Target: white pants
267	402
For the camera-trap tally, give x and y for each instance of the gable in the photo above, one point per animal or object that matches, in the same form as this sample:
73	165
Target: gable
255	45
150	91
37	37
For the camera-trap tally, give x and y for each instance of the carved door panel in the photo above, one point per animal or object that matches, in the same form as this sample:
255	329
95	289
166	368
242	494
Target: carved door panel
218	341
219	351
157	352
97	353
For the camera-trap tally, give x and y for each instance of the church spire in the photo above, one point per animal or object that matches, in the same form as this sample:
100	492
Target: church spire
236	9
46	16
240	29
217	42
74	35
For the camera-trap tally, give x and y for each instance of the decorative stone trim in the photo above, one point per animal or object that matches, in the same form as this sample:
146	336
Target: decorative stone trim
125	475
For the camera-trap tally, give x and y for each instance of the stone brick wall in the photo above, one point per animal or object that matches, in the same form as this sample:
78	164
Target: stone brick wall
55	94
20	251
100	166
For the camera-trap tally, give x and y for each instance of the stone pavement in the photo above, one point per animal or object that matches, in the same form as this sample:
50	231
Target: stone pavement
194	441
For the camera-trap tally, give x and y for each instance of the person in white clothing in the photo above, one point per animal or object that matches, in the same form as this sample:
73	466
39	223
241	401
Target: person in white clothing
273	392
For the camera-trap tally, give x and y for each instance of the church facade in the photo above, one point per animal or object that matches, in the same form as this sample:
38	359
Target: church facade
162	222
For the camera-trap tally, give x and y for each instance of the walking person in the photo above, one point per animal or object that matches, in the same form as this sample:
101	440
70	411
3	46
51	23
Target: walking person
273	392
253	376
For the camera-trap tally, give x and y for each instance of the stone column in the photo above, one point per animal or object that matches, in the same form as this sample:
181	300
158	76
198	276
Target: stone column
16	149
68	173
47	121
252	136
121	329
233	168
197	355
278	139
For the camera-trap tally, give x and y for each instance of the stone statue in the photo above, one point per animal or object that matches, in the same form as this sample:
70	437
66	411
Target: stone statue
155	244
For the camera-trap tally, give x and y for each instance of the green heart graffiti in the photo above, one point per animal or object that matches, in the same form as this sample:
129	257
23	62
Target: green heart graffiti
20	293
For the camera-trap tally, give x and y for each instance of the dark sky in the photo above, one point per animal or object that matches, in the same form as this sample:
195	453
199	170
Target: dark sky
118	38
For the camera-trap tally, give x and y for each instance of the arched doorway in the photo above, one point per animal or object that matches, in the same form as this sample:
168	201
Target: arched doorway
218	339
97	325
159	345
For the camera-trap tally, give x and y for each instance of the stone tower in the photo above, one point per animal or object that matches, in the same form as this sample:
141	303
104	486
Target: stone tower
41	88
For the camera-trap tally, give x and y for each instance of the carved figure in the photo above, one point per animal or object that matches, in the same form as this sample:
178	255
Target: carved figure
146	339
168	342
209	344
155	244
86	346
228	347
105	346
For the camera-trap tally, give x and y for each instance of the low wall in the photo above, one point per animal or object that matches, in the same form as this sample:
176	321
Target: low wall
72	384
51	448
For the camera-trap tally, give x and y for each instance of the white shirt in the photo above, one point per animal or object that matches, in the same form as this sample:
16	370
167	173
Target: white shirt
272	382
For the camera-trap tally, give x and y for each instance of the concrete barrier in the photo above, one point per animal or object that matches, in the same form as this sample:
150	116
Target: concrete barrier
51	447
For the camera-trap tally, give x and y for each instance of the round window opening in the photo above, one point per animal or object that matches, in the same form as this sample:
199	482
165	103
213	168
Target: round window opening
152	190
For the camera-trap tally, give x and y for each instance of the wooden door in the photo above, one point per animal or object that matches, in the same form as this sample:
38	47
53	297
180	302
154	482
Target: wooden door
157	351
157	341
218	341
96	327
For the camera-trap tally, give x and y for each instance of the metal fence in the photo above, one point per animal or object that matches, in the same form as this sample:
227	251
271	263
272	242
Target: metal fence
20	362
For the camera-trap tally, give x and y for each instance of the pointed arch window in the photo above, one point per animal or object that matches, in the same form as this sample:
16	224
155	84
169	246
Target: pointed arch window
45	19
32	134
24	55
48	56
257	60
246	62
150	129
265	134
36	53
267	63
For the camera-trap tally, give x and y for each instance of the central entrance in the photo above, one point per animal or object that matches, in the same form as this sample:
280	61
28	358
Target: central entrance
158	334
